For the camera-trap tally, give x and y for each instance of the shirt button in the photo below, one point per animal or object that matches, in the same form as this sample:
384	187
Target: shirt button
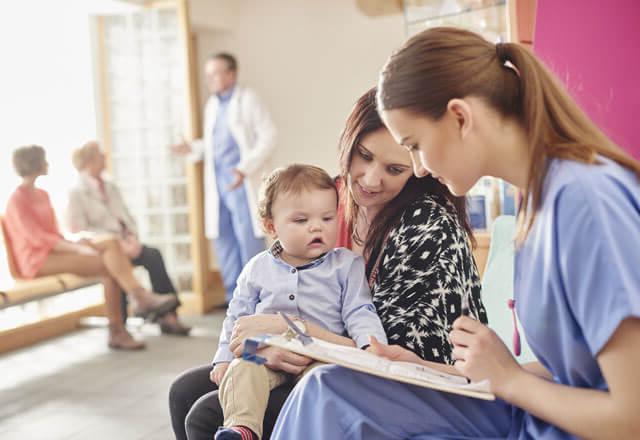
293	270
292	297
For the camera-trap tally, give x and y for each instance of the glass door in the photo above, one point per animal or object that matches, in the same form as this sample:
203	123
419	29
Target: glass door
147	103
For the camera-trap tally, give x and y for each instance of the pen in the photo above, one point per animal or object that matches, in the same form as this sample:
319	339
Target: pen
465	305
465	311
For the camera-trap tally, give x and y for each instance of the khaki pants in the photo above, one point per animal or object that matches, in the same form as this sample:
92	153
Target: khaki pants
244	392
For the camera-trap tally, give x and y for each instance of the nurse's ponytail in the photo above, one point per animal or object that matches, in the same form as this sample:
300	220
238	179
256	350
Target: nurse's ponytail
440	64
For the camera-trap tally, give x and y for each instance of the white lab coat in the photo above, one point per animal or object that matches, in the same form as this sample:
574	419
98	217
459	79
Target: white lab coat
254	132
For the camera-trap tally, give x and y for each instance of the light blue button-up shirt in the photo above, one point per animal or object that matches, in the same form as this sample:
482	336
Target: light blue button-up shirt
331	291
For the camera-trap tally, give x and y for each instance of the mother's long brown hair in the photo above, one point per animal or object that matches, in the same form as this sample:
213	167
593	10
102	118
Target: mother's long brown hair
362	120
440	64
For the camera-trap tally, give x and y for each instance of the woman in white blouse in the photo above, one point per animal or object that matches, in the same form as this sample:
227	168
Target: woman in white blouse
96	206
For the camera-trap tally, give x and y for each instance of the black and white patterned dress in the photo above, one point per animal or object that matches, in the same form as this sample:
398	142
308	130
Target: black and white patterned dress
425	268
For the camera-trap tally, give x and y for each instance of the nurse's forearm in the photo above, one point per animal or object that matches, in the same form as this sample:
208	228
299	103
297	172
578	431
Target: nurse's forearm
532	367
586	413
538	369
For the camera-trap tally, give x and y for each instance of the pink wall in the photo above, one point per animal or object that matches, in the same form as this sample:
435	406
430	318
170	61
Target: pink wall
594	47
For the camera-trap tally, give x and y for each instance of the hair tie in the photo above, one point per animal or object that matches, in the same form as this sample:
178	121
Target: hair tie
503	57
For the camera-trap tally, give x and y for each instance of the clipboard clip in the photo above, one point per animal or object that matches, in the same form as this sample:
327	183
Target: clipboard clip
294	331
253	344
251	347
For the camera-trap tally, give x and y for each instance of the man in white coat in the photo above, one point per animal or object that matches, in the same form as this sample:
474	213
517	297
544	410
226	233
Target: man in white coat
239	138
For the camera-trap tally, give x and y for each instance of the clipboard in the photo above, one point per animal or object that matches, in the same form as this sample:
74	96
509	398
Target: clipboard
298	342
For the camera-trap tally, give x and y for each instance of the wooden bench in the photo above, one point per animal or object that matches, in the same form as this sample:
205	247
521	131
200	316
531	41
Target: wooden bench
19	291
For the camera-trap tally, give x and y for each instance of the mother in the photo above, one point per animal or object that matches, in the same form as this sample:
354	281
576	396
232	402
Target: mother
415	238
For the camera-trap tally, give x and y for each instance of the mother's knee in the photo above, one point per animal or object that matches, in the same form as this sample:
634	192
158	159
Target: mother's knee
204	417
180	391
175	390
192	421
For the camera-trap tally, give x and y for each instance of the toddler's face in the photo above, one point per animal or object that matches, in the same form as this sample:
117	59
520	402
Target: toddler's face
306	224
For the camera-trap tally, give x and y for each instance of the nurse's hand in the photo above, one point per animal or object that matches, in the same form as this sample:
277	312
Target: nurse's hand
283	360
237	179
248	326
392	352
480	354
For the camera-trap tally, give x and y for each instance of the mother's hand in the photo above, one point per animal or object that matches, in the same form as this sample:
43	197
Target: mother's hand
248	326
480	354
283	360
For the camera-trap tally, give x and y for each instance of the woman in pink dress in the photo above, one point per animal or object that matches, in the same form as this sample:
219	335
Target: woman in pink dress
39	249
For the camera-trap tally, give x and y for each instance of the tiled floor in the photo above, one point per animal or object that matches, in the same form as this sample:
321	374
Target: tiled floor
74	387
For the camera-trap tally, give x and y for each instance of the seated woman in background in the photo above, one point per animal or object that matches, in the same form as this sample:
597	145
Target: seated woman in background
40	249
416	241
96	206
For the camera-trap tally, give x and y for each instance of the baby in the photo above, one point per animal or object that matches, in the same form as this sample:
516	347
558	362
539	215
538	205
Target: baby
322	288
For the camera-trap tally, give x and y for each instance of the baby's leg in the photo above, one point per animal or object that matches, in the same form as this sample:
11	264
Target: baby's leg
244	394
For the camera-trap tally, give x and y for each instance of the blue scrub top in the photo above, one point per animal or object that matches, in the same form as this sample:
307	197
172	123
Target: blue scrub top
577	276
226	153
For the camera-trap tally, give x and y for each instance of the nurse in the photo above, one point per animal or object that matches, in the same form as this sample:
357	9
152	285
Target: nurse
466	108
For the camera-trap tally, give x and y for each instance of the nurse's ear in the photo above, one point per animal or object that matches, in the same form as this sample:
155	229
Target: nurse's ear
460	110
267	225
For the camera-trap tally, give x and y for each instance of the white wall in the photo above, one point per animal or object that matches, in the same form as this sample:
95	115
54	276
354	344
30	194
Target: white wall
309	60
214	14
46	87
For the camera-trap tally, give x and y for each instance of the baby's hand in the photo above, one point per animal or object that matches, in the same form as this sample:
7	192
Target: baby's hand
392	352
218	372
